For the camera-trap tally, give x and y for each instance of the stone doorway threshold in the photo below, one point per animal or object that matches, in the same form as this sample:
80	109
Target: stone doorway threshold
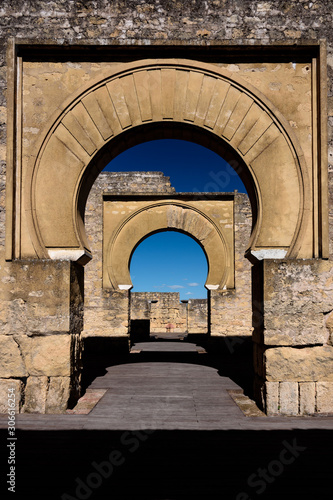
247	405
87	402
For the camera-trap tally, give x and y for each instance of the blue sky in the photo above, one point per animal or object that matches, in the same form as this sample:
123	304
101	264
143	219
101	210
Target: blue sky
191	168
184	267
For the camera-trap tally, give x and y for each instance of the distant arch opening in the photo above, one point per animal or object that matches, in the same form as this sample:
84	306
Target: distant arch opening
169	261
168	271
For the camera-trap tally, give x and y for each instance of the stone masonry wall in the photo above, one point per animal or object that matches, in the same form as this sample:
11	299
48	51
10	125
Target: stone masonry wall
163	22
232	314
293	343
167	314
164	310
107	311
41	322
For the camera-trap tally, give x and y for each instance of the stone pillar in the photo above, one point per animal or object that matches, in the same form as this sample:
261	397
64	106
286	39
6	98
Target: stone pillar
231	312
197	316
293	351
40	346
108	316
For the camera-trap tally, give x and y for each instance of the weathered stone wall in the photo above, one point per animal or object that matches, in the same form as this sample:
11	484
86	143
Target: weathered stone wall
41	322
232	308
167	313
163	22
164	310
197	316
106	310
293	348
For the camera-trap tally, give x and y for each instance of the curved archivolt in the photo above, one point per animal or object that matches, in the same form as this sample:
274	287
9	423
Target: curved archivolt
181	92
120	244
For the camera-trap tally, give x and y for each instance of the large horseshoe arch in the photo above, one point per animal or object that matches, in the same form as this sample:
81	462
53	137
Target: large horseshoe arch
186	93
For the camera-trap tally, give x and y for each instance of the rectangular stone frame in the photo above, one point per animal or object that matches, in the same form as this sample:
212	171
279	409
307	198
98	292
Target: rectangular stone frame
25	49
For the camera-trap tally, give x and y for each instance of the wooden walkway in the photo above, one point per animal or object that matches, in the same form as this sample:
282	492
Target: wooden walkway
150	391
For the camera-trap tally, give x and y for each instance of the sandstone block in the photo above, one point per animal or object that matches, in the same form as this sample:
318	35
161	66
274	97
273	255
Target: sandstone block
297	295
291	331
307	398
289	398
272	398
39	297
35	395
324	397
5	385
329	326
303	365
48	356
57	395
11	362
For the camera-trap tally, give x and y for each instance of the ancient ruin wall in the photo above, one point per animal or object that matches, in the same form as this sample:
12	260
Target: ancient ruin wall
231	309
106	312
167	313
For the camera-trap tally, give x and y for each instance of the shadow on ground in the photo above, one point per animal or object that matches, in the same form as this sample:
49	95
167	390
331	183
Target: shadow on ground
232	357
173	465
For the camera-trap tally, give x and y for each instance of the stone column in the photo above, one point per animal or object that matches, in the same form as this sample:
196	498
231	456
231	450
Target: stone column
293	351
40	346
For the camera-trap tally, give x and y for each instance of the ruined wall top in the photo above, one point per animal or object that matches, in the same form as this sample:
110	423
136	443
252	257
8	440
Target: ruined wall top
136	21
133	182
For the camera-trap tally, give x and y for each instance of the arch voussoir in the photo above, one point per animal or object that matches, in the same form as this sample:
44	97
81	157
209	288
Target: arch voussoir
184	92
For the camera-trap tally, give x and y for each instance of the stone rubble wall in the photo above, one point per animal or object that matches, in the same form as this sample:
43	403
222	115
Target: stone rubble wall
232	309
168	314
198	316
106	312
